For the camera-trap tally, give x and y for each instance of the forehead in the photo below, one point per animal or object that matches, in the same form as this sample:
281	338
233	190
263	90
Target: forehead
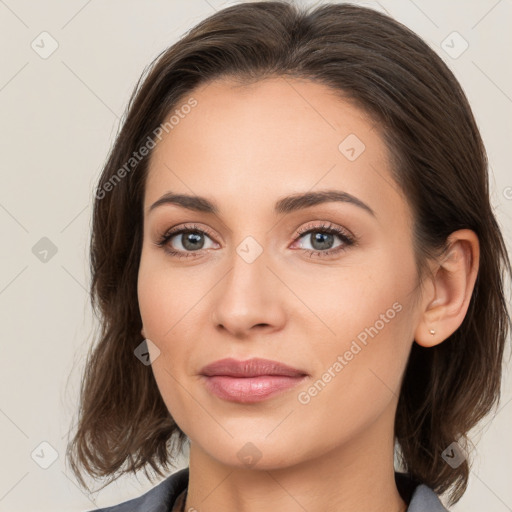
268	139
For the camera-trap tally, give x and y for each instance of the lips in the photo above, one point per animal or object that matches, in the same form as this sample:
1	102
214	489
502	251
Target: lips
255	367
249	381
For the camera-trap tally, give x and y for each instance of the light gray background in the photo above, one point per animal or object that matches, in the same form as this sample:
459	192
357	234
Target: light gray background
59	117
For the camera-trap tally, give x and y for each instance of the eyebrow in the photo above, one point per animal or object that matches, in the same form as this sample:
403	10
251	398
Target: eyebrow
285	205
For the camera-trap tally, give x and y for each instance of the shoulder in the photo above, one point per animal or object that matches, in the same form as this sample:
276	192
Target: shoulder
158	499
420	497
425	499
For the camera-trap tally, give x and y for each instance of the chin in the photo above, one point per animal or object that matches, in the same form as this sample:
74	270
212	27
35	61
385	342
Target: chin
255	453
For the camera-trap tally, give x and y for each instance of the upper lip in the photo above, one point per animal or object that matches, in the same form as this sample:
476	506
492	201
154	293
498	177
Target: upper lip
250	368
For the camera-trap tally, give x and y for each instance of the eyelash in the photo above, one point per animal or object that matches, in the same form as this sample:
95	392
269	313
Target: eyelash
347	239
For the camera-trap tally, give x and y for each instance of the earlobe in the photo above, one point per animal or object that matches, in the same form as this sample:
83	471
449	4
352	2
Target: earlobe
452	287
142	332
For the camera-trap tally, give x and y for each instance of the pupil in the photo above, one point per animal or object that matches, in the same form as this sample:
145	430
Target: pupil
324	240
192	241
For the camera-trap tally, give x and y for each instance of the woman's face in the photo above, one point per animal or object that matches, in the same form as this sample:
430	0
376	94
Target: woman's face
264	276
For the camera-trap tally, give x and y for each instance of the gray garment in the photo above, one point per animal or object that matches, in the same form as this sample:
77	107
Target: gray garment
162	497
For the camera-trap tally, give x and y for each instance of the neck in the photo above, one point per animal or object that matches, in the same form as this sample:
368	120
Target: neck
355	477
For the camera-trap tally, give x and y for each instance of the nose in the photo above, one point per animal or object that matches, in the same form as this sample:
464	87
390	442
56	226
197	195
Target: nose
249	298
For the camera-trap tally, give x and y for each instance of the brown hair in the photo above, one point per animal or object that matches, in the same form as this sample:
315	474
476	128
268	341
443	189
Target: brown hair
439	162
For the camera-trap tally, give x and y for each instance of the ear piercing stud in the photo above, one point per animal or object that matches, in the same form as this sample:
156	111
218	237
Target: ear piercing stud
432	332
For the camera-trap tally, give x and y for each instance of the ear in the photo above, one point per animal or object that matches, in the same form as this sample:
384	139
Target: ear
142	332
448	293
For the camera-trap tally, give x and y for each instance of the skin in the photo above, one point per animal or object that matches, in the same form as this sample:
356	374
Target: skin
244	148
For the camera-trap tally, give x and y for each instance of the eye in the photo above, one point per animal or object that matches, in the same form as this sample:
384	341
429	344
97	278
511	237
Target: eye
322	239
189	239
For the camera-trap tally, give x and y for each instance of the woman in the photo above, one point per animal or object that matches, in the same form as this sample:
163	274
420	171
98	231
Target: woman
297	269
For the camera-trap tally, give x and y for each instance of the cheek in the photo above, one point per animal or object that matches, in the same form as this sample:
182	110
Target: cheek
350	301
161	307
358	370
152	300
166	296
367	322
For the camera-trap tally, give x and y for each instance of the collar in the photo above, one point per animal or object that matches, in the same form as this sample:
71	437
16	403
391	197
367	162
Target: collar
161	498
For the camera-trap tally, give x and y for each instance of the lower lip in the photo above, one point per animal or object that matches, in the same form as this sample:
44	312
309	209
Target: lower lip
249	389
